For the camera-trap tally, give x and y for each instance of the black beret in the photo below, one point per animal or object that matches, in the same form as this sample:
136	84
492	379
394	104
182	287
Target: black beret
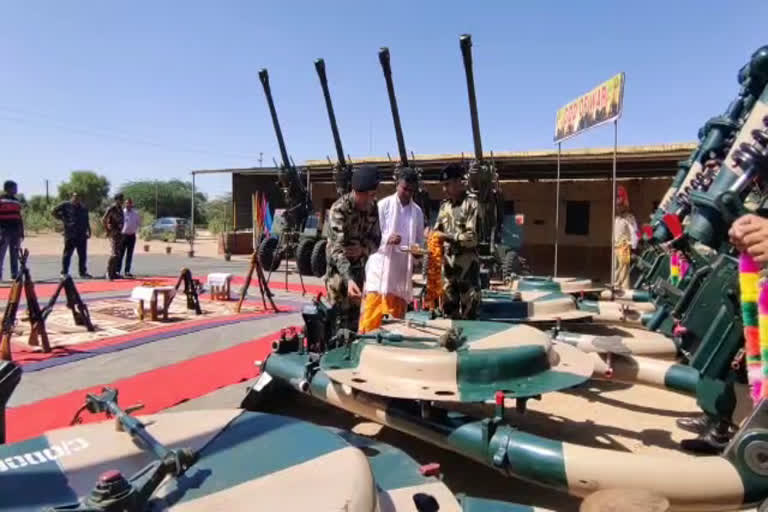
451	171
365	178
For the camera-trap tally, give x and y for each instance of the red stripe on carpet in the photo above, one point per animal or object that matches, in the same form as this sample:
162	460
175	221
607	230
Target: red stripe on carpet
45	290
312	289
157	389
23	355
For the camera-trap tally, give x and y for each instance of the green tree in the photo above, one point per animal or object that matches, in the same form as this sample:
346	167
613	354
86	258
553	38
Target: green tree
173	198
218	212
38	204
92	188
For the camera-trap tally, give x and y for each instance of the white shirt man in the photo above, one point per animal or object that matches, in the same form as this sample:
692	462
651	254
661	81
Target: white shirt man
131	225
388	272
131	221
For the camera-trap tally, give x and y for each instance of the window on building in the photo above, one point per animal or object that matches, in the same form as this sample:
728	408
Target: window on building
577	217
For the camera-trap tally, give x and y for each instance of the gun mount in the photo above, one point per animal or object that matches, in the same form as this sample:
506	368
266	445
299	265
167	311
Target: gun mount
716	138
342	171
701	174
298	203
483	178
712	211
421	197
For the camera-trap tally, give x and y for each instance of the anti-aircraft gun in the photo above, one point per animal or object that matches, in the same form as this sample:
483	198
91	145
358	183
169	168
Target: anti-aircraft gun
273	249
498	256
311	251
705	315
421	197
699	172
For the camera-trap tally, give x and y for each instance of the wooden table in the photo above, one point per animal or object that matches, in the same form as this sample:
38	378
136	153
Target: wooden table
143	294
219	283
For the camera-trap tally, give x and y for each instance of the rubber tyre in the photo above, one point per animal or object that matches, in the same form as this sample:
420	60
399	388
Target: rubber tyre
304	256
514	265
318	261
268	253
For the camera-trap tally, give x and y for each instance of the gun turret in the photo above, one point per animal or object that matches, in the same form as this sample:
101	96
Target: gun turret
342	172
483	179
708	221
295	194
384	60
421	196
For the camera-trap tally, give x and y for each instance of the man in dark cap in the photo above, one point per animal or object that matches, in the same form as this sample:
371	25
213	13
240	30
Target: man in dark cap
456	226
354	235
113	224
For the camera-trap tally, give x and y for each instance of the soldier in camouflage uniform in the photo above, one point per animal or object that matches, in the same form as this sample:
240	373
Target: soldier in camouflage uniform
113	225
457	226
354	234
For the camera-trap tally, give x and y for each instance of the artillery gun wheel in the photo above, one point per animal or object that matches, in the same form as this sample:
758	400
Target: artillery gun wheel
318	259
514	265
304	256
268	255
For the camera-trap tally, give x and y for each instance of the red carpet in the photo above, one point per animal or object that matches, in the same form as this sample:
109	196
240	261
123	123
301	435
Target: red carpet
157	389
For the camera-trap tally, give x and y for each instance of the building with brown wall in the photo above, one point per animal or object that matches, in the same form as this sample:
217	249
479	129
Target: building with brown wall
528	181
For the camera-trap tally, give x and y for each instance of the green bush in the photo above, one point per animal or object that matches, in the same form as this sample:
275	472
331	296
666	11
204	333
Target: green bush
97	228
146	233
169	237
147	219
37	222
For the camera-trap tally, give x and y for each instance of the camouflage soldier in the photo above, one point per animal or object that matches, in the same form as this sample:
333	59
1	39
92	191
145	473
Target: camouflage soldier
457	226
354	234
113	225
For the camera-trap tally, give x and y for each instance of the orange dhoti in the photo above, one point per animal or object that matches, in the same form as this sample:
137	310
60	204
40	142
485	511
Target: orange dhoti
375	306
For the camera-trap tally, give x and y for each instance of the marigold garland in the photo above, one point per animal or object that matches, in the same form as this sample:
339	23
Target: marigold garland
434	272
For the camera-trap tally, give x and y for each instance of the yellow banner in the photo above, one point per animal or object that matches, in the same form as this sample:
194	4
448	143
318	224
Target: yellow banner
600	105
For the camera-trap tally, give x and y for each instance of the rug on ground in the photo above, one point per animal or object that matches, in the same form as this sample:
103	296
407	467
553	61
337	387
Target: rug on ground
118	328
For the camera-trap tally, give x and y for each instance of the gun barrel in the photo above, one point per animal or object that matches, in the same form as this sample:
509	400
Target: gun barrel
264	77
320	67
384	59
465	42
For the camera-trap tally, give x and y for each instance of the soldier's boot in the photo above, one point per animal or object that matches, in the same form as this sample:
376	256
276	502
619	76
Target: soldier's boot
712	440
694	424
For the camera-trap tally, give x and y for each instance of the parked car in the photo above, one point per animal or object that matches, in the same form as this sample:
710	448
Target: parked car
168	226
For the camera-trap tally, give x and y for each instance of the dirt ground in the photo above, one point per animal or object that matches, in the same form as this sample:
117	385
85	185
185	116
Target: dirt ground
52	244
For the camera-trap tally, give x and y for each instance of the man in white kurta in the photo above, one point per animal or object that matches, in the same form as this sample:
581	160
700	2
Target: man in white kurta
388	273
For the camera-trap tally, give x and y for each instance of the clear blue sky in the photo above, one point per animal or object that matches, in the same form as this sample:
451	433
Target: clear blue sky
147	89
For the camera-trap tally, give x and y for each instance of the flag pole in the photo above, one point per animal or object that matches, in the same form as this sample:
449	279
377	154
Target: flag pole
613	202
557	204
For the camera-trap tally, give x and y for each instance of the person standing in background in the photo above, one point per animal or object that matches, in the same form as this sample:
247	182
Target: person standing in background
113	225
625	237
11	227
77	231
131	225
